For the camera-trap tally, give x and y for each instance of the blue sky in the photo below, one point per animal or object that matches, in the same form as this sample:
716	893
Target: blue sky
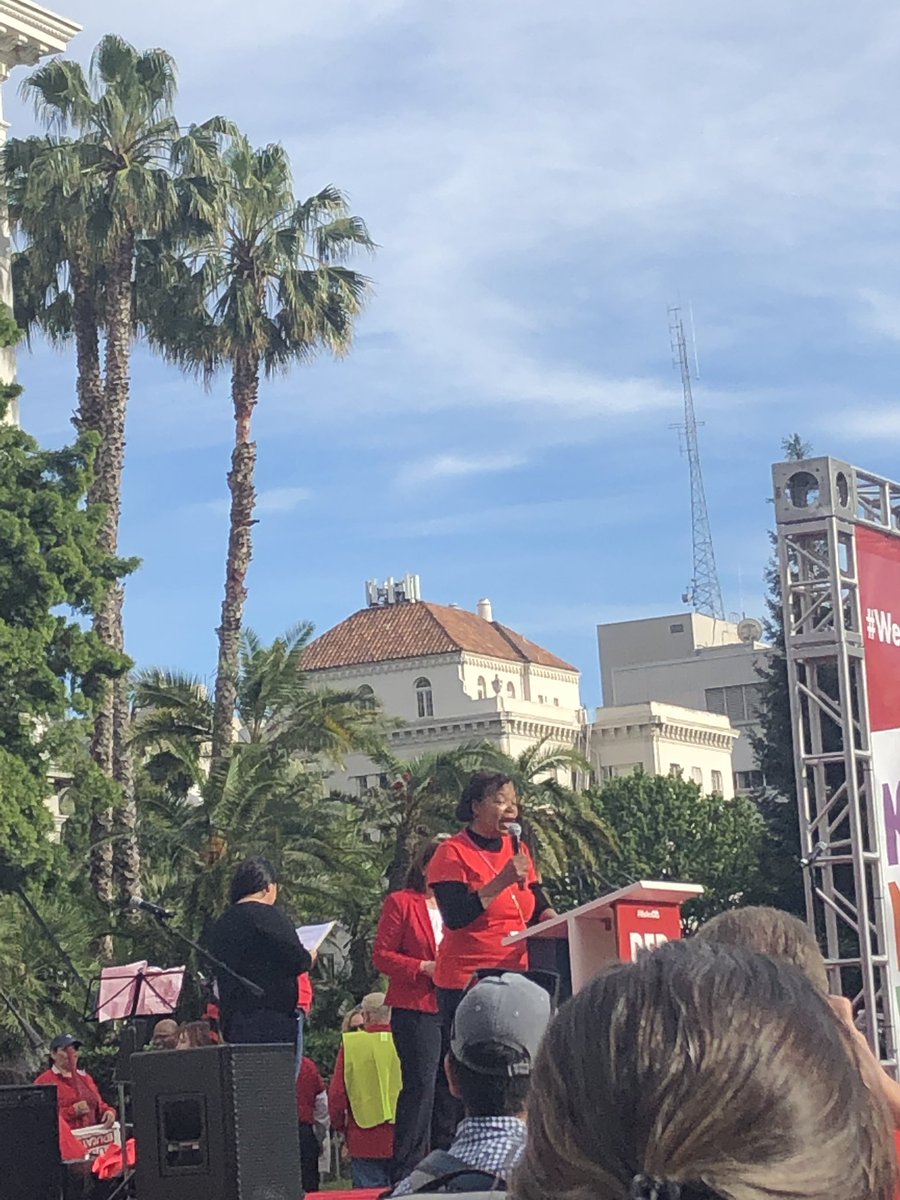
543	181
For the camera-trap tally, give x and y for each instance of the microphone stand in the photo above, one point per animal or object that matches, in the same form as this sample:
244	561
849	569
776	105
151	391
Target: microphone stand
50	936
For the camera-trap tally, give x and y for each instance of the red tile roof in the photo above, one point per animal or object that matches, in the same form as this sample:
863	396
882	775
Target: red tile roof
411	630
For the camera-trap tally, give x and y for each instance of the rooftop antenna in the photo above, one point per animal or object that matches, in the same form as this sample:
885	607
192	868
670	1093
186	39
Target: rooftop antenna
704	593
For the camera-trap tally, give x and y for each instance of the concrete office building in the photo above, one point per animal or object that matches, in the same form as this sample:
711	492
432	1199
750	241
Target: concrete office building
693	661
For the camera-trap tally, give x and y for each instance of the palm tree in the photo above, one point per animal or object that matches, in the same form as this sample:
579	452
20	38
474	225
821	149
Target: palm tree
274	293
278	713
127	178
269	794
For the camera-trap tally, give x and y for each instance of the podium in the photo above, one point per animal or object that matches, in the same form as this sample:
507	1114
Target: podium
614	928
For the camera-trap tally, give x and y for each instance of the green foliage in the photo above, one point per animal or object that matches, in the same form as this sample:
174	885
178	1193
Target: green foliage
273	289
25	822
665	828
52	574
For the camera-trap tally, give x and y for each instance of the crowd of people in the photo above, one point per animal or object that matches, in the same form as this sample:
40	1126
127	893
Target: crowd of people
714	1067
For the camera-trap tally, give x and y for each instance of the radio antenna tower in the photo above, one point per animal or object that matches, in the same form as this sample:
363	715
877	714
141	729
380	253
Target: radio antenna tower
704	593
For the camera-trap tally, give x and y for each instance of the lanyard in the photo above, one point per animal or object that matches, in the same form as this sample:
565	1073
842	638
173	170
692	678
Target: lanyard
487	862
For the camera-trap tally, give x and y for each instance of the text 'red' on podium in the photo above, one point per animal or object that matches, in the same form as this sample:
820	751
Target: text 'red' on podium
614	928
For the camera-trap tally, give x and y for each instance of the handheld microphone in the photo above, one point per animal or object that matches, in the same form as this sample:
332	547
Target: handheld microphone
139	904
515	832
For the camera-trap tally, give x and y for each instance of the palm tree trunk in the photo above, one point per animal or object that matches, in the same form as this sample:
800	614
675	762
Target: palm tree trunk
89	381
244	393
109	746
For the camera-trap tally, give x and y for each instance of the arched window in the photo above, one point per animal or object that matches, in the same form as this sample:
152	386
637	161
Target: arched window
482	688
366	696
424	697
511	691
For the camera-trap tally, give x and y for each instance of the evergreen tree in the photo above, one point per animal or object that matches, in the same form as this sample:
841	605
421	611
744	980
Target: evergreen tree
52	573
666	828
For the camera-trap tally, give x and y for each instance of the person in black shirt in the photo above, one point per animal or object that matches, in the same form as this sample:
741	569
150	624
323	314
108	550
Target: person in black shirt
258	941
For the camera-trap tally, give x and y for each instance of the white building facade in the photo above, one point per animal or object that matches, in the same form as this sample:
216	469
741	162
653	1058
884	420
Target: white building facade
693	661
450	677
28	33
664	739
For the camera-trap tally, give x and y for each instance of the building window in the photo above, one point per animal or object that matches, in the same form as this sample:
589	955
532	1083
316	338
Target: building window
540	699
424	697
511	691
482	688
739	702
747	781
361	783
620	772
676	770
679	628
366	697
556	701
697	775
717	783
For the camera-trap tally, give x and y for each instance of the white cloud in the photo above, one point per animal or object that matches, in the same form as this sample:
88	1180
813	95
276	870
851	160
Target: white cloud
457	466
867	424
540	517
269	502
280	499
880	313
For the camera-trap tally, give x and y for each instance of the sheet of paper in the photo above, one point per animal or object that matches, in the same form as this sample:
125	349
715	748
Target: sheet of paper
312	936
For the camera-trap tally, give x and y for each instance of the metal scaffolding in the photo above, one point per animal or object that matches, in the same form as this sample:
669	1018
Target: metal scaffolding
820	503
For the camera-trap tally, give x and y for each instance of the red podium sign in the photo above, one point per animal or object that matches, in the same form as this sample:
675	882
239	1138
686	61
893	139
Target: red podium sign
616	927
644	927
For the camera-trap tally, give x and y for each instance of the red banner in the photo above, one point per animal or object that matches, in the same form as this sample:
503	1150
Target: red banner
878	564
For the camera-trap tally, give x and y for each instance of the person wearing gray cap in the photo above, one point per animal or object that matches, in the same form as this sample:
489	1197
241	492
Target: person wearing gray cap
496	1033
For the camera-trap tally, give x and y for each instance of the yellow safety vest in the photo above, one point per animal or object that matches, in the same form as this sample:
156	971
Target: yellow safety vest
371	1076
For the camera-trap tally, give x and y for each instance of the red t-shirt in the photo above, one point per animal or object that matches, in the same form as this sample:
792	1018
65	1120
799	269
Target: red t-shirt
305	993
309	1085
70	1092
479	945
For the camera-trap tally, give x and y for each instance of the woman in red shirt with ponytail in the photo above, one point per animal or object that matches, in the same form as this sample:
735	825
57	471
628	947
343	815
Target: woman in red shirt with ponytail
410	930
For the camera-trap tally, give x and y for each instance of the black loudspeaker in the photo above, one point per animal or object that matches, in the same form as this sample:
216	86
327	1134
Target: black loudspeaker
216	1123
30	1163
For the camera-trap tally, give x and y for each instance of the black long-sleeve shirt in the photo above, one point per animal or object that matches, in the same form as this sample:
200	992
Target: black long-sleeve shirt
459	904
260	943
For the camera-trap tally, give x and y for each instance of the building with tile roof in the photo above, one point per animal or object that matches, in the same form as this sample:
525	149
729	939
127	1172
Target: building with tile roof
451	677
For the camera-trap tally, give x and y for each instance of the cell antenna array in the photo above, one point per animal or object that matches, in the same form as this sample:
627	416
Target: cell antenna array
704	593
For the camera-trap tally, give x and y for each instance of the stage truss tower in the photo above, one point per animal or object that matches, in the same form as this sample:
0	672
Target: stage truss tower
822	507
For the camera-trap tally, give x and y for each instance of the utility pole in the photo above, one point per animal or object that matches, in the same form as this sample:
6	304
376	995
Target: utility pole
704	593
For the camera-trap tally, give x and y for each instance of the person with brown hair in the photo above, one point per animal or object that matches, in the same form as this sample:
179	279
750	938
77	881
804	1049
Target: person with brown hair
702	1071
769	931
193	1034
781	935
409	932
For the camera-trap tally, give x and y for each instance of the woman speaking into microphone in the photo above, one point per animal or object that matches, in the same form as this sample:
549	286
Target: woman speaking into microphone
486	888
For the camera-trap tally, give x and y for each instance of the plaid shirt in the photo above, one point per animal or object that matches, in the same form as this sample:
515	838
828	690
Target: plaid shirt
484	1143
